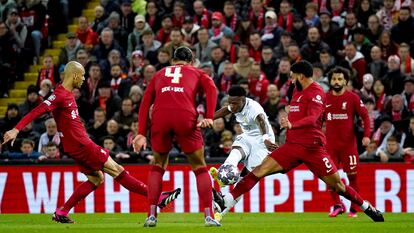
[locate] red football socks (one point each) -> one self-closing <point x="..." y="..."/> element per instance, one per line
<point x="352" y="195"/>
<point x="154" y="188"/>
<point x="335" y="197"/>
<point x="132" y="184"/>
<point x="204" y="191"/>
<point x="354" y="184"/>
<point x="80" y="193"/>
<point x="244" y="185"/>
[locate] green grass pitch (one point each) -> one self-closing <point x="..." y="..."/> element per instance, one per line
<point x="171" y="223"/>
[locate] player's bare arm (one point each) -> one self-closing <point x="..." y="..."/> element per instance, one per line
<point x="264" y="129"/>
<point x="10" y="135"/>
<point x="139" y="142"/>
<point x="224" y="111"/>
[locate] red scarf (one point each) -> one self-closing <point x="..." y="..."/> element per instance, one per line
<point x="258" y="21"/>
<point x="163" y="36"/>
<point x="379" y="105"/>
<point x="130" y="138"/>
<point x="225" y="83"/>
<point x="47" y="74"/>
<point x="151" y="21"/>
<point x="178" y="22"/>
<point x="256" y="54"/>
<point x="217" y="31"/>
<point x="233" y="54"/>
<point x="102" y="102"/>
<point x="288" y="25"/>
<point x="204" y="19"/>
<point x="408" y="65"/>
<point x="233" y="23"/>
<point x="92" y="89"/>
<point x="396" y="116"/>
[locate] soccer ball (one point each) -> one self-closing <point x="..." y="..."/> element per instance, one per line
<point x="228" y="174"/>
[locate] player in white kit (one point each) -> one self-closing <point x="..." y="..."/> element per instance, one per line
<point x="257" y="139"/>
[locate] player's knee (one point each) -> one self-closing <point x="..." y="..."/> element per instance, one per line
<point x="338" y="187"/>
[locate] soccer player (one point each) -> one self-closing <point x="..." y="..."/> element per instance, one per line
<point x="305" y="143"/>
<point x="92" y="159"/>
<point x="173" y="91"/>
<point x="257" y="139"/>
<point x="342" y="107"/>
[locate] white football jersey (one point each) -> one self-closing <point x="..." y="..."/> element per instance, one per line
<point x="247" y="119"/>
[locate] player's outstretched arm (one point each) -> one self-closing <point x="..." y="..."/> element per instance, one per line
<point x="261" y="122"/>
<point x="10" y="136"/>
<point x="139" y="142"/>
<point x="224" y="111"/>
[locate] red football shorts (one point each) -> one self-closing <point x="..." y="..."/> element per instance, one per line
<point x="167" y="125"/>
<point x="90" y="158"/>
<point x="348" y="157"/>
<point x="315" y="158"/>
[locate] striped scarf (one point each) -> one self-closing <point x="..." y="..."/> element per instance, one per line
<point x="204" y="20"/>
<point x="258" y="21"/>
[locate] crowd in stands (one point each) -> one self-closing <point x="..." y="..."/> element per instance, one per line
<point x="251" y="43"/>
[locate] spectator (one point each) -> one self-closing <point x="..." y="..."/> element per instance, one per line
<point x="149" y="46"/>
<point x="114" y="58"/>
<point x="338" y="12"/>
<point x="311" y="18"/>
<point x="388" y="14"/>
<point x="108" y="101"/>
<point x="68" y="52"/>
<point x="112" y="130"/>
<point x="258" y="83"/>
<point x="117" y="76"/>
<point x="244" y="62"/>
<point x="189" y="30"/>
<point x="213" y="136"/>
<point x="8" y="59"/>
<point x="255" y="50"/>
<point x="163" y="35"/>
<point x="244" y="30"/>
<point x="294" y="53"/>
<point x="231" y="19"/>
<point x="357" y="61"/>
<point x="268" y="64"/>
<point x="362" y="44"/>
<point x="327" y="61"/>
<point x="133" y="131"/>
<point x="100" y="17"/>
<point x="282" y="49"/>
<point x="407" y="63"/>
<point x="380" y="96"/>
<point x="399" y="113"/>
<point x="48" y="71"/>
<point x="134" y="38"/>
<point x="373" y="114"/>
<point x="127" y="16"/>
<point x="16" y="27"/>
<point x="327" y="28"/>
<point x="388" y="47"/>
<point x="176" y="40"/>
<point x="163" y="57"/>
<point x="285" y="19"/>
<point x="374" y="29"/>
<point x="84" y="107"/>
<point x="363" y="11"/>
<point x="283" y="80"/>
<point x="106" y="44"/>
<point x="299" y="29"/>
<point x="125" y="116"/>
<point x="52" y="152"/>
<point x="218" y="29"/>
<point x="148" y="73"/>
<point x="32" y="100"/>
<point x="109" y="143"/>
<point x="345" y="34"/>
<point x="46" y="89"/>
<point x="377" y="67"/>
<point x="85" y="34"/>
<point x="201" y="14"/>
<point x="217" y="59"/>
<point x="178" y="14"/>
<point x="319" y="77"/>
<point x="10" y="119"/>
<point x="153" y="16"/>
<point x="91" y="86"/>
<point x="227" y="78"/>
<point x="313" y="46"/>
<point x="385" y="130"/>
<point x="120" y="34"/>
<point x="371" y="153"/>
<point x="402" y="31"/>
<point x="229" y="48"/>
<point x="367" y="87"/>
<point x="393" y="151"/>
<point x="272" y="103"/>
<point x="271" y="33"/>
<point x="409" y="140"/>
<point x="394" y="79"/>
<point x="135" y="94"/>
<point x="408" y="94"/>
<point x="97" y="127"/>
<point x="204" y="45"/>
<point x="51" y="135"/>
<point x="26" y="151"/>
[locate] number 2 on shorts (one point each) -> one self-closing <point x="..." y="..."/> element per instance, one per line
<point x="176" y="75"/>
<point x="327" y="163"/>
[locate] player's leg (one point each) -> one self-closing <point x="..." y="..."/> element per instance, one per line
<point x="203" y="180"/>
<point x="94" y="180"/>
<point x="350" y="162"/>
<point x="236" y="155"/>
<point x="338" y="207"/>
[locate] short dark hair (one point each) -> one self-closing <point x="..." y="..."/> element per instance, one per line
<point x="302" y="67"/>
<point x="339" y="70"/>
<point x="51" y="144"/>
<point x="237" y="90"/>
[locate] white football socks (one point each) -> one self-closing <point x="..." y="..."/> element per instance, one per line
<point x="234" y="157"/>
<point x="364" y="205"/>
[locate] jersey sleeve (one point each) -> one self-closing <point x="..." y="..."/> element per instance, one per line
<point x="363" y="113"/>
<point x="255" y="110"/>
<point x="315" y="110"/>
<point x="53" y="102"/>
<point x="211" y="94"/>
<point x="147" y="100"/>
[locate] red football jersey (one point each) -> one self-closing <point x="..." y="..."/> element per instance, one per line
<point x="63" y="106"/>
<point x="306" y="116"/>
<point x="340" y="114"/>
<point x="175" y="88"/>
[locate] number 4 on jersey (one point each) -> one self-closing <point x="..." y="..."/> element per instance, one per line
<point x="176" y="75"/>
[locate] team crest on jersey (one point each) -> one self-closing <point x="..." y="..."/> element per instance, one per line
<point x="344" y="105"/>
<point x="329" y="116"/>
